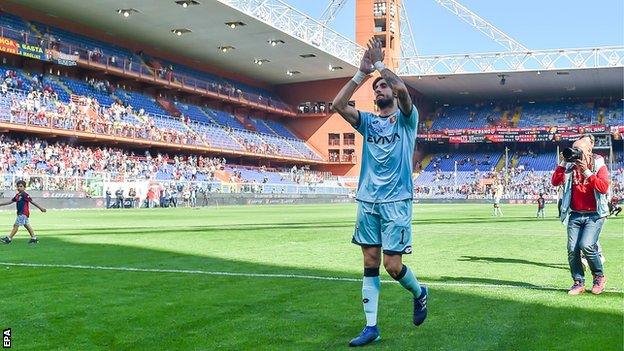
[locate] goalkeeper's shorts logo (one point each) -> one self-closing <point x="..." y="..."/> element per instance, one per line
<point x="408" y="250"/>
<point x="365" y="300"/>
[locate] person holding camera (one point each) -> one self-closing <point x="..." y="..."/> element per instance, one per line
<point x="584" y="208"/>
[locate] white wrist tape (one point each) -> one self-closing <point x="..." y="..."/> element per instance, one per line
<point x="379" y="66"/>
<point x="359" y="77"/>
<point x="587" y="173"/>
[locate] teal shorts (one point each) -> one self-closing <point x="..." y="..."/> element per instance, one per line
<point x="386" y="225"/>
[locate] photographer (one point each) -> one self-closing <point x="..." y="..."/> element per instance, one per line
<point x="585" y="181"/>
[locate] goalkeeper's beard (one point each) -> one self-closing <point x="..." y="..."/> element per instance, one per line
<point x="385" y="102"/>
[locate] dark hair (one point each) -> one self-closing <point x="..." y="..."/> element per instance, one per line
<point x="21" y="182"/>
<point x="376" y="81"/>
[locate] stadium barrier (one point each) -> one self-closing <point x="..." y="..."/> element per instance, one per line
<point x="77" y="192"/>
<point x="77" y="200"/>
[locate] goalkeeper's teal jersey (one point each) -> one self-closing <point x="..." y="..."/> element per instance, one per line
<point x="386" y="173"/>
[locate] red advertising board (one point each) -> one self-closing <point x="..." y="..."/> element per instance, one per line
<point x="9" y="45"/>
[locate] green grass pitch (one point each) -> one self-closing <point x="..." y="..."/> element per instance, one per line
<point x="158" y="280"/>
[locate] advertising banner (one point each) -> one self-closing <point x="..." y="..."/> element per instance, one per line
<point x="16" y="48"/>
<point x="32" y="51"/>
<point x="62" y="58"/>
<point x="524" y="135"/>
<point x="9" y="45"/>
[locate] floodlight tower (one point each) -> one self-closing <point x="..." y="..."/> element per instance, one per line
<point x="377" y="19"/>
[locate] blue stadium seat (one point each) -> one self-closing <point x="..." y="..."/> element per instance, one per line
<point x="466" y="162"/>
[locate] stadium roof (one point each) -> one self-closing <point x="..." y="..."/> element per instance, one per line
<point x="153" y="22"/>
<point x="521" y="85"/>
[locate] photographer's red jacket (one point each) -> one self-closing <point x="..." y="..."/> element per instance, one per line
<point x="583" y="186"/>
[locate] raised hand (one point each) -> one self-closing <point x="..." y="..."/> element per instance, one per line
<point x="366" y="65"/>
<point x="375" y="51"/>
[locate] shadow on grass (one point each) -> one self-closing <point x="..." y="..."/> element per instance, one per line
<point x="254" y="226"/>
<point x="512" y="261"/>
<point x="103" y="309"/>
<point x="493" y="282"/>
<point x="198" y="228"/>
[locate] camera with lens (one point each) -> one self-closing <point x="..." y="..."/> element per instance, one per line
<point x="572" y="154"/>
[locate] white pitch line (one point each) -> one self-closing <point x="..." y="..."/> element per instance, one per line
<point x="276" y="275"/>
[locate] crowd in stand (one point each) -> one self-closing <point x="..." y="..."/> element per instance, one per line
<point x="303" y="175"/>
<point x="37" y="157"/>
<point x="12" y="80"/>
<point x="317" y="107"/>
<point x="44" y="109"/>
<point x="260" y="147"/>
<point x="103" y="86"/>
<point x="59" y="166"/>
<point x="520" y="184"/>
<point x="435" y="163"/>
<point x="543" y="114"/>
<point x="41" y="106"/>
<point x="166" y="72"/>
<point x="63" y="166"/>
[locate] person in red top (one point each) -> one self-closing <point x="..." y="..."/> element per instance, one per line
<point x="614" y="207"/>
<point x="584" y="209"/>
<point x="541" y="203"/>
<point x="22" y="201"/>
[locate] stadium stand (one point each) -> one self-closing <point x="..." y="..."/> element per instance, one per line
<point x="467" y="116"/>
<point x="558" y="114"/>
<point x="61" y="166"/>
<point x="530" y="114"/>
<point x="195" y="113"/>
<point x="537" y="162"/>
<point x="225" y="119"/>
<point x="528" y="175"/>
<point x="102" y="52"/>
<point x="134" y="103"/>
<point x="19" y="29"/>
<point x="113" y="55"/>
<point x="101" y="106"/>
<point x="465" y="161"/>
<point x="88" y="48"/>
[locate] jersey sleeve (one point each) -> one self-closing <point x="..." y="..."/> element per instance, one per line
<point x="14" y="199"/>
<point x="27" y="198"/>
<point x="411" y="119"/>
<point x="362" y="128"/>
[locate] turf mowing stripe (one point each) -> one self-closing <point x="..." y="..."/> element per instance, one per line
<point x="274" y="275"/>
